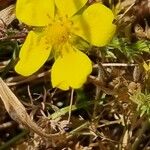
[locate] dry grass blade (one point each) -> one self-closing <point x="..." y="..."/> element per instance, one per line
<point x="7" y="15"/>
<point x="17" y="111"/>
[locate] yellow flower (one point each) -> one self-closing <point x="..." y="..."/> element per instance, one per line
<point x="60" y="22"/>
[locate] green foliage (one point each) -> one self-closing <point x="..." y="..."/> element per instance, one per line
<point x="142" y="46"/>
<point x="127" y="48"/>
<point x="8" y="48"/>
<point x="143" y="102"/>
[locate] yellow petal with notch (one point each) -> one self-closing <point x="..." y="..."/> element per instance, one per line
<point x="35" y="12"/>
<point x="69" y="7"/>
<point x="71" y="69"/>
<point x="33" y="54"/>
<point x="95" y="25"/>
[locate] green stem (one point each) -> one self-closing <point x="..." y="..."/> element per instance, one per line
<point x="13" y="140"/>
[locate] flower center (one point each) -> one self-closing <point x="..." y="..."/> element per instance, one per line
<point x="58" y="31"/>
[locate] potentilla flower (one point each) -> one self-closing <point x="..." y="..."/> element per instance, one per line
<point x="56" y="23"/>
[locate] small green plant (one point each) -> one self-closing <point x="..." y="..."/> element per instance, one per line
<point x="143" y="102"/>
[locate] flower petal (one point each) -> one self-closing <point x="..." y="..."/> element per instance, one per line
<point x="71" y="69"/>
<point x="35" y="12"/>
<point x="33" y="54"/>
<point x="95" y="25"/>
<point x="69" y="7"/>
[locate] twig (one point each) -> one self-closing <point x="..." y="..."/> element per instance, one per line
<point x="6" y="125"/>
<point x="20" y="80"/>
<point x="17" y="80"/>
<point x="13" y="37"/>
<point x="30" y="96"/>
<point x="101" y="72"/>
<point x="107" y="123"/>
<point x="70" y="107"/>
<point x="126" y="11"/>
<point x="96" y="82"/>
<point x="115" y="65"/>
<point x="18" y="112"/>
<point x="73" y="132"/>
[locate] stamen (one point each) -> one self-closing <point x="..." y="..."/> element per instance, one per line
<point x="58" y="32"/>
